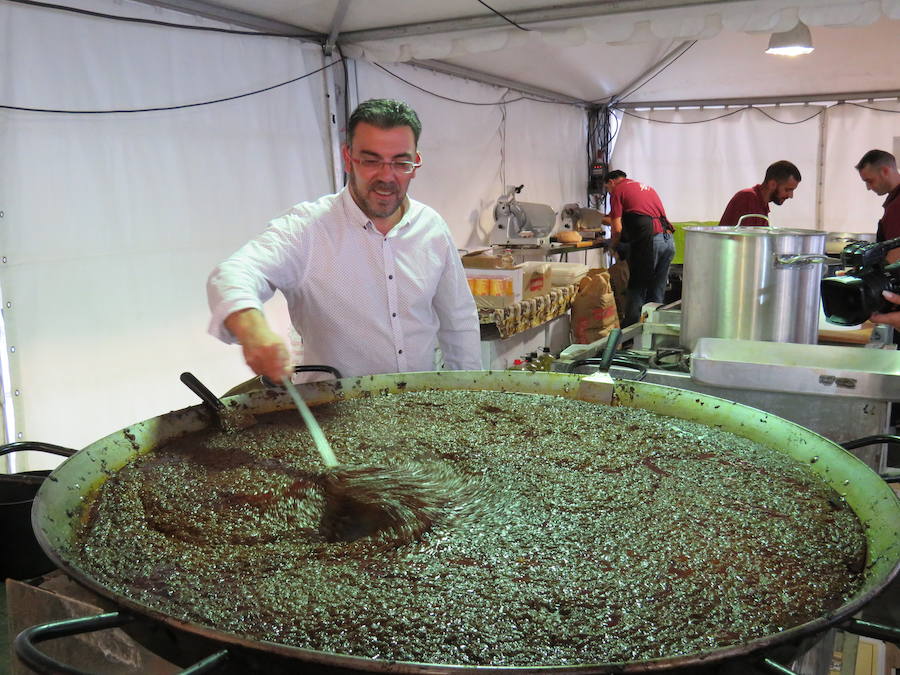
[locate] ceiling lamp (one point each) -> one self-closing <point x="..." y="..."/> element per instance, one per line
<point x="791" y="42"/>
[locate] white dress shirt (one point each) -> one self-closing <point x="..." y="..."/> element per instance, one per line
<point x="362" y="302"/>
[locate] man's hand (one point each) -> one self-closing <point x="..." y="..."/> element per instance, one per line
<point x="264" y="350"/>
<point x="890" y="318"/>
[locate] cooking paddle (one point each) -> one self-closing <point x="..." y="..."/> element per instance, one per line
<point x="396" y="505"/>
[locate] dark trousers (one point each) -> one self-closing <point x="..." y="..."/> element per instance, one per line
<point x="649" y="257"/>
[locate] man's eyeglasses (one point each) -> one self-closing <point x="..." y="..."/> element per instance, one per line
<point x="395" y="165"/>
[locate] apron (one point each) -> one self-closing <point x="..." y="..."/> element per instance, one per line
<point x="637" y="232"/>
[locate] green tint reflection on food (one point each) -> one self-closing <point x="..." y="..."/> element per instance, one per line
<point x="577" y="534"/>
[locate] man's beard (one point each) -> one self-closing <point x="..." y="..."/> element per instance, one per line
<point x="376" y="205"/>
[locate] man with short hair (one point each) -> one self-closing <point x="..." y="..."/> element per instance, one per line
<point x="878" y="170"/>
<point x="373" y="280"/>
<point x="637" y="218"/>
<point x="779" y="183"/>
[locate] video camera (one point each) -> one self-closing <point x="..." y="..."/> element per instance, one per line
<point x="850" y="299"/>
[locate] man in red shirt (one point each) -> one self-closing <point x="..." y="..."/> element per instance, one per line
<point x="638" y="219"/>
<point x="779" y="183"/>
<point x="878" y="170"/>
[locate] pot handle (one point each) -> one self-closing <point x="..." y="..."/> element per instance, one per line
<point x="751" y="215"/>
<point x="40" y="662"/>
<point x="36" y="446"/>
<point x="797" y="259"/>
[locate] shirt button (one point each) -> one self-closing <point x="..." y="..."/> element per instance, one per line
<point x="394" y="314"/>
<point x="390" y="276"/>
<point x="399" y="351"/>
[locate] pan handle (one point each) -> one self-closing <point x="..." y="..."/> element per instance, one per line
<point x="40" y="662"/>
<point x="210" y="399"/>
<point x="303" y="369"/>
<point x="36" y="446"/>
<point x="775" y="667"/>
<point x="872" y="630"/>
<point x="873" y="440"/>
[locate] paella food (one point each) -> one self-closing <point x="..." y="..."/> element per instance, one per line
<point x="590" y="535"/>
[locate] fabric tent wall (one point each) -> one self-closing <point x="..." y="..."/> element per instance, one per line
<point x="471" y="147"/>
<point x="697" y="159"/>
<point x="111" y="223"/>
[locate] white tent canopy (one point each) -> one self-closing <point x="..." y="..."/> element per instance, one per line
<point x="112" y="220"/>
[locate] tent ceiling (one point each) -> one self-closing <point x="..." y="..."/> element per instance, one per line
<point x="595" y="51"/>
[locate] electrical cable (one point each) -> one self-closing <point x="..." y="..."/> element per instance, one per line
<point x="869" y="107"/>
<point x="172" y="107"/>
<point x="711" y="119"/>
<point x="315" y="37"/>
<point x="658" y="72"/>
<point x="503" y="16"/>
<point x="456" y="100"/>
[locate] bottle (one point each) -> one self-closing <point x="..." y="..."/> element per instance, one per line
<point x="507" y="262"/>
<point x="517" y="365"/>
<point x="530" y="365"/>
<point x="546" y="360"/>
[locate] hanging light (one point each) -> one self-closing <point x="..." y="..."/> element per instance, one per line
<point x="792" y="42"/>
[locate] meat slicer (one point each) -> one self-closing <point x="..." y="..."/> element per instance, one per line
<point x="521" y="224"/>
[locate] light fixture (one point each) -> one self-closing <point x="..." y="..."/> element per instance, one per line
<point x="792" y="42"/>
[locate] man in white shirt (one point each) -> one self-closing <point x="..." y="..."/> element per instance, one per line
<point x="372" y="278"/>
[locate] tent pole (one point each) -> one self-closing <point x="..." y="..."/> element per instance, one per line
<point x="820" y="172"/>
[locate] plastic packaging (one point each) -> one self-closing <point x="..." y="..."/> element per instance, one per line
<point x="507" y="262"/>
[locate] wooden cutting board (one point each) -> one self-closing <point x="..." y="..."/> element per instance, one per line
<point x="859" y="336"/>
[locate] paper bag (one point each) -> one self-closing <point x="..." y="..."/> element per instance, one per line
<point x="594" y="312"/>
<point x="618" y="276"/>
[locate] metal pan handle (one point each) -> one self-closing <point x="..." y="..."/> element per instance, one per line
<point x="36" y="446"/>
<point x="303" y="369"/>
<point x="44" y="664"/>
<point x="210" y="399"/>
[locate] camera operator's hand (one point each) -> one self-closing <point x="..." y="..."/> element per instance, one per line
<point x="890" y="318"/>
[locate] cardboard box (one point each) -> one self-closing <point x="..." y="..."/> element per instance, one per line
<point x="495" y="289"/>
<point x="536" y="279"/>
<point x="481" y="260"/>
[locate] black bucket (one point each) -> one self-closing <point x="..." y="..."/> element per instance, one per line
<point x="23" y="558"/>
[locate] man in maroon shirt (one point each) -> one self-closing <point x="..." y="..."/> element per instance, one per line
<point x="878" y="170"/>
<point x="638" y="219"/>
<point x="779" y="183"/>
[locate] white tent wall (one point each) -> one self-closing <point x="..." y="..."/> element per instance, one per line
<point x="851" y="131"/>
<point x="697" y="159"/>
<point x="469" y="149"/>
<point x="111" y="223"/>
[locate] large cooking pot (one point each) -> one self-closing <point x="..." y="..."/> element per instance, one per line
<point x="62" y="502"/>
<point x="751" y="283"/>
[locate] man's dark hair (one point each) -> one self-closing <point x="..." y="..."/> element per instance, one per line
<point x="612" y="175"/>
<point x="877" y="158"/>
<point x="384" y="113"/>
<point x="780" y="171"/>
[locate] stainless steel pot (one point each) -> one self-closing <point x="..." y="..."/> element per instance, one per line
<point x="63" y="502"/>
<point x="751" y="283"/>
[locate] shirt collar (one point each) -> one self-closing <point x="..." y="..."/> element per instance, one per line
<point x="360" y="219"/>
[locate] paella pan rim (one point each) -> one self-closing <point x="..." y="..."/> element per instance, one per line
<point x="143" y="436"/>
